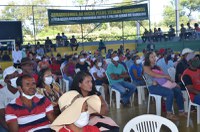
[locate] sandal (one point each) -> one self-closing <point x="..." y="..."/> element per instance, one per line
<point x="171" y="117"/>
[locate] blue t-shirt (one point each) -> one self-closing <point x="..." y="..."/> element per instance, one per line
<point x="138" y="69"/>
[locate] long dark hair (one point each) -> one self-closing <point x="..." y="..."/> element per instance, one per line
<point x="41" y="76"/>
<point x="147" y="60"/>
<point x="79" y="77"/>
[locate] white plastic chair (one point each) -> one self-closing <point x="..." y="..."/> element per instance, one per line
<point x="100" y="88"/>
<point x="149" y="123"/>
<point x="65" y="86"/>
<point x="140" y="90"/>
<point x="157" y="98"/>
<point x="191" y="104"/>
<point x="117" y="95"/>
<point x="172" y="73"/>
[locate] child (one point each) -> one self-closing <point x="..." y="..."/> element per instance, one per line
<point x="163" y="81"/>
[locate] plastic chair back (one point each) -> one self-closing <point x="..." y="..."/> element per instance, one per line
<point x="172" y="72"/>
<point x="149" y="123"/>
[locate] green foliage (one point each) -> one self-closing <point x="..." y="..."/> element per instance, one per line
<point x="190" y="5"/>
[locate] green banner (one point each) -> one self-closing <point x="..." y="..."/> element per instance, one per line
<point x="125" y="13"/>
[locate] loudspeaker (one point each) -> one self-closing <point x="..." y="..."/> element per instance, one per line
<point x="11" y="30"/>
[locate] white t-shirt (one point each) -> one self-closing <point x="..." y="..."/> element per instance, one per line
<point x="17" y="56"/>
<point x="6" y="96"/>
<point x="98" y="71"/>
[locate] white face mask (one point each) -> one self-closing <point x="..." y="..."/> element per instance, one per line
<point x="27" y="96"/>
<point x="138" y="61"/>
<point x="83" y="120"/>
<point x="13" y="82"/>
<point x="99" y="64"/>
<point x="48" y="80"/>
<point x="82" y="60"/>
<point x="76" y="56"/>
<point x="116" y="58"/>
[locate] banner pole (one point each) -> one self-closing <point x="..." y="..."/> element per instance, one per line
<point x="123" y="32"/>
<point x="82" y="34"/>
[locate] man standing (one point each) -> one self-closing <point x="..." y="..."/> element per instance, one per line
<point x="7" y="93"/>
<point x="191" y="78"/>
<point x="116" y="74"/>
<point x="17" y="56"/>
<point x="65" y="42"/>
<point x="30" y="111"/>
<point x="102" y="45"/>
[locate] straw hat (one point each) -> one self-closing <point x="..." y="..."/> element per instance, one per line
<point x="71" y="104"/>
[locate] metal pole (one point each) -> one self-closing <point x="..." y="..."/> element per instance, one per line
<point x="123" y="32"/>
<point x="34" y="34"/>
<point x="149" y="16"/>
<point x="177" y="16"/>
<point x="82" y="34"/>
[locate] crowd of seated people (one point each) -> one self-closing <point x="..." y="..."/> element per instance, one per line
<point x="185" y="33"/>
<point x="35" y="87"/>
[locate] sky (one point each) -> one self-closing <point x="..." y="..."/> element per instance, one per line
<point x="156" y="6"/>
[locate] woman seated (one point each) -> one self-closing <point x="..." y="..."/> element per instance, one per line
<point x="136" y="71"/>
<point x="99" y="76"/>
<point x="84" y="84"/>
<point x="170" y="94"/>
<point x="49" y="88"/>
<point x="75" y="113"/>
<point x="69" y="70"/>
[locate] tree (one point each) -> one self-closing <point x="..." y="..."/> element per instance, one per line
<point x="25" y="14"/>
<point x="169" y="15"/>
<point x="191" y="6"/>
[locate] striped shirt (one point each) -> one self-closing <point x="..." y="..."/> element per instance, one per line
<point x="29" y="119"/>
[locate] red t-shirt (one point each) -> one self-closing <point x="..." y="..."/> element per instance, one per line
<point x="85" y="129"/>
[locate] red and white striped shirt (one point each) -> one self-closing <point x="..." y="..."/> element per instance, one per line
<point x="29" y="119"/>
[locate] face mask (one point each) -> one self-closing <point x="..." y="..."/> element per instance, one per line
<point x="116" y="58"/>
<point x="48" y="80"/>
<point x="76" y="56"/>
<point x="138" y="61"/>
<point x="13" y="82"/>
<point x="82" y="60"/>
<point x="82" y="120"/>
<point x="99" y="64"/>
<point x="27" y="96"/>
<point x="195" y="63"/>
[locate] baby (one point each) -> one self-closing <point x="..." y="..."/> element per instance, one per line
<point x="163" y="81"/>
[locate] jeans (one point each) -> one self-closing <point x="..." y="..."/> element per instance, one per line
<point x="169" y="94"/>
<point x="197" y="99"/>
<point x="126" y="90"/>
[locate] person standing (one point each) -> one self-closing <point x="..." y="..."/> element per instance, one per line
<point x="16" y="56"/>
<point x="102" y="46"/>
